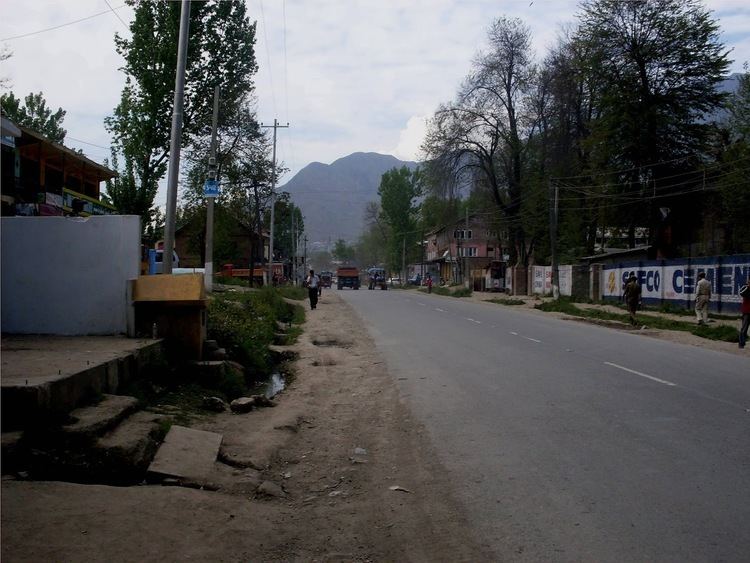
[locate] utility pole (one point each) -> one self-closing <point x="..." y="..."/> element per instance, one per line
<point x="305" y="254"/>
<point x="466" y="250"/>
<point x="174" y="143"/>
<point x="554" y="193"/>
<point x="211" y="197"/>
<point x="273" y="196"/>
<point x="403" y="260"/>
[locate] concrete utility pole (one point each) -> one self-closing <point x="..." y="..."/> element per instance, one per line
<point x="273" y="196"/>
<point x="466" y="250"/>
<point x="174" y="143"/>
<point x="213" y="176"/>
<point x="403" y="260"/>
<point x="553" y="238"/>
<point x="305" y="255"/>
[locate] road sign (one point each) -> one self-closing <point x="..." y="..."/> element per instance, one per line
<point x="211" y="188"/>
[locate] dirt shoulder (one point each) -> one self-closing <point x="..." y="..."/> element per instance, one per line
<point x="330" y="455"/>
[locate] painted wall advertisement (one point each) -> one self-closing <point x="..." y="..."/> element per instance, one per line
<point x="542" y="280"/>
<point x="674" y="280"/>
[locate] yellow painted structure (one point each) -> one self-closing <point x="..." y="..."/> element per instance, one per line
<point x="174" y="306"/>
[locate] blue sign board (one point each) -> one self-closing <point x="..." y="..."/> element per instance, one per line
<point x="211" y="188"/>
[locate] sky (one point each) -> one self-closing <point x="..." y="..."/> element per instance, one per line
<point x="347" y="75"/>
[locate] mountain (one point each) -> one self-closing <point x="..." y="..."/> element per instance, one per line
<point x="333" y="196"/>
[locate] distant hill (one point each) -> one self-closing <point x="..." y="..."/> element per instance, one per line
<point x="333" y="196"/>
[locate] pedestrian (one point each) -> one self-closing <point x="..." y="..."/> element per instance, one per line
<point x="312" y="282"/>
<point x="702" y="297"/>
<point x="632" y="297"/>
<point x="429" y="283"/>
<point x="745" y="310"/>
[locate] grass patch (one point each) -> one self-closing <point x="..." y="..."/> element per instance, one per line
<point x="507" y="301"/>
<point x="229" y="280"/>
<point x="293" y="292"/>
<point x="722" y="333"/>
<point x="459" y="291"/>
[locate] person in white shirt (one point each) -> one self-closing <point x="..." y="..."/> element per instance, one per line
<point x="702" y="297"/>
<point x="312" y="282"/>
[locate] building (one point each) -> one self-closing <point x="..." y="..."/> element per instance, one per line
<point x="464" y="250"/>
<point x="41" y="177"/>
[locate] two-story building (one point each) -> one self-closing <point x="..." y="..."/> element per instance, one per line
<point x="41" y="177"/>
<point x="467" y="250"/>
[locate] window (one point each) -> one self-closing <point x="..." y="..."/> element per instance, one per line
<point x="467" y="251"/>
<point x="462" y="234"/>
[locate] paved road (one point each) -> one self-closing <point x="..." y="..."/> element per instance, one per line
<point x="572" y="442"/>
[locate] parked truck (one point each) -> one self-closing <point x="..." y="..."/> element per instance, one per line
<point x="347" y="277"/>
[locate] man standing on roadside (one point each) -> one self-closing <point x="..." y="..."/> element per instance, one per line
<point x="745" y="310"/>
<point x="632" y="296"/>
<point x="312" y="282"/>
<point x="702" y="297"/>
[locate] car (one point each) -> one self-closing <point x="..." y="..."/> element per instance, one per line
<point x="415" y="280"/>
<point x="394" y="281"/>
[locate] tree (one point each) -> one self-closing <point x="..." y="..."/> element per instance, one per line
<point x="657" y="64"/>
<point x="399" y="190"/>
<point x="35" y="115"/>
<point x="343" y="252"/>
<point x="220" y="52"/>
<point x="486" y="132"/>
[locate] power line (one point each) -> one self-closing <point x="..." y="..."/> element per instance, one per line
<point x="87" y="143"/>
<point x="115" y="13"/>
<point x="61" y="25"/>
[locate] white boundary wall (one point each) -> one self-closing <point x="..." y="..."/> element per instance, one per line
<point x="68" y="275"/>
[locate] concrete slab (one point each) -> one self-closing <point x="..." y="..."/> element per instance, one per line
<point x="45" y="376"/>
<point x="186" y="454"/>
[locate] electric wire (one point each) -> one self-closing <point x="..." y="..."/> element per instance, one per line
<point x="29" y="34"/>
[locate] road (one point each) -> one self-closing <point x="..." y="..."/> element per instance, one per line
<point x="573" y="442"/>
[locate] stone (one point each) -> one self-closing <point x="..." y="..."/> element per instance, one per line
<point x="215" y="404"/>
<point x="237" y="460"/>
<point x="231" y="364"/>
<point x="263" y="401"/>
<point x="218" y="355"/>
<point x="123" y="455"/>
<point x="242" y="405"/>
<point x="270" y="489"/>
<point x="210" y="345"/>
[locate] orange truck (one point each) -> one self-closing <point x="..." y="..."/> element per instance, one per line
<point x="347" y="277"/>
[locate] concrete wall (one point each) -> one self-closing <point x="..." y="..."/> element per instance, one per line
<point x="673" y="281"/>
<point x="68" y="275"/>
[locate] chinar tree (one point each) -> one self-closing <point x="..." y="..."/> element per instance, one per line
<point x="657" y="64"/>
<point x="221" y="53"/>
<point x="399" y="190"/>
<point x="483" y="136"/>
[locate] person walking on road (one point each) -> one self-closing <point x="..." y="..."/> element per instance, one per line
<point x="745" y="310"/>
<point x="312" y="282"/>
<point x="632" y="297"/>
<point x="702" y="297"/>
<point x="429" y="283"/>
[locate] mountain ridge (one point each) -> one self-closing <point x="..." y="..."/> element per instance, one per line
<point x="333" y="196"/>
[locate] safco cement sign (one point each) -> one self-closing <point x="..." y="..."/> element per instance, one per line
<point x="674" y="280"/>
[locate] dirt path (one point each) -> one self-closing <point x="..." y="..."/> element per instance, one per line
<point x="331" y="452"/>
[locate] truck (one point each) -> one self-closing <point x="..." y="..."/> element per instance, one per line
<point x="347" y="277"/>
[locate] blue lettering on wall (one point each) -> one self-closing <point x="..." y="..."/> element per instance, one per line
<point x="678" y="281"/>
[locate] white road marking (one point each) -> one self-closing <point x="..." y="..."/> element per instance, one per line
<point x="514" y="333"/>
<point x="533" y="339"/>
<point x="651" y="377"/>
<point x="439" y="309"/>
<point x="472" y="320"/>
<point x="422" y="305"/>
